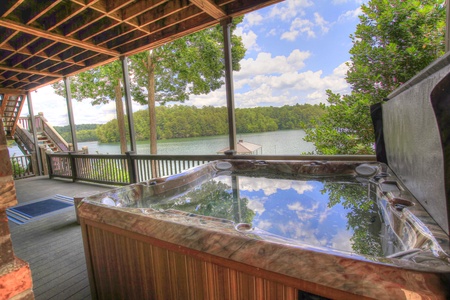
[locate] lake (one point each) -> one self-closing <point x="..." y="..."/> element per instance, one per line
<point x="286" y="142"/>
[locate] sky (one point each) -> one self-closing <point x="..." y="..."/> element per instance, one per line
<point x="296" y="50"/>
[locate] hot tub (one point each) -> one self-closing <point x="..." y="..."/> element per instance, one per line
<point x="248" y="229"/>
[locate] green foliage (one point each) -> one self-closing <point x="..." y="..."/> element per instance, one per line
<point x="362" y="213"/>
<point x="109" y="170"/>
<point x="169" y="73"/>
<point x="191" y="65"/>
<point x="393" y="42"/>
<point x="181" y="121"/>
<point x="17" y="168"/>
<point x="10" y="143"/>
<point x="97" y="85"/>
<point x="213" y="199"/>
<point x="341" y="129"/>
<point x="85" y="132"/>
<point x="108" y="132"/>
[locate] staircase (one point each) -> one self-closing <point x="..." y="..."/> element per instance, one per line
<point x="47" y="137"/>
<point x="10" y="109"/>
<point x="47" y="143"/>
<point x="18" y="128"/>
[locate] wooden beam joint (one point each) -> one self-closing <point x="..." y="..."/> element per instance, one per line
<point x="210" y="8"/>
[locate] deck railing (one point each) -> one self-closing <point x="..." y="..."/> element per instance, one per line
<point x="131" y="168"/>
<point x="23" y="166"/>
<point x="24" y="139"/>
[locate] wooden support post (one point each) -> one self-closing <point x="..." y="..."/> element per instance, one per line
<point x="48" y="170"/>
<point x="38" y="170"/>
<point x="131" y="167"/>
<point x="126" y="88"/>
<point x="226" y="28"/>
<point x="34" y="165"/>
<point x="73" y="167"/>
<point x="70" y="113"/>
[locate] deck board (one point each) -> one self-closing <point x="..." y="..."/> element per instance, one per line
<point x="55" y="255"/>
<point x="52" y="244"/>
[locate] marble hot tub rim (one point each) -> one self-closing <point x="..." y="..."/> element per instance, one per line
<point x="352" y="273"/>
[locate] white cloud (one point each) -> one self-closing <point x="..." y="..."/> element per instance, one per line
<point x="257" y="205"/>
<point x="350" y="15"/>
<point x="264" y="224"/>
<point x="301" y="232"/>
<point x="216" y="98"/>
<point x="301" y="26"/>
<point x="337" y="2"/>
<point x="272" y="32"/>
<point x="248" y="38"/>
<point x="341" y="240"/>
<point x="54" y="108"/>
<point x="277" y="81"/>
<point x="304" y="213"/>
<point x="320" y="22"/>
<point x="253" y="18"/>
<point x="291" y="87"/>
<point x="316" y="95"/>
<point x="270" y="186"/>
<point x="266" y="64"/>
<point x="289" y="9"/>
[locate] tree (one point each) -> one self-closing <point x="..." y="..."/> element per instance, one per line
<point x="170" y="73"/>
<point x="101" y="85"/>
<point x="191" y="65"/>
<point x="394" y="41"/>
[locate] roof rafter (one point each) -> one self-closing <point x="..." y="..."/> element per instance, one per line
<point x="56" y="37"/>
<point x="43" y="41"/>
<point x="12" y="8"/>
<point x="30" y="71"/>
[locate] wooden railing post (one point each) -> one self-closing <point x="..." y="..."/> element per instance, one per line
<point x="48" y="162"/>
<point x="73" y="166"/>
<point x="131" y="167"/>
<point x="34" y="163"/>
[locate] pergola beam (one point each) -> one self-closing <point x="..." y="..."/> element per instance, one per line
<point x="210" y="8"/>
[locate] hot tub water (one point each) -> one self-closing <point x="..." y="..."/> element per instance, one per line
<point x="323" y="212"/>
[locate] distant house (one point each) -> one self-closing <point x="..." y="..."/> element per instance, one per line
<point x="244" y="148"/>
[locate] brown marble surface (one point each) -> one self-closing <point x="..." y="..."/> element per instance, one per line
<point x="422" y="277"/>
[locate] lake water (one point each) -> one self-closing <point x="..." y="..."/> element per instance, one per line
<point x="286" y="142"/>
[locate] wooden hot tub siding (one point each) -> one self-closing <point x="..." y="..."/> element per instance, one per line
<point x="127" y="265"/>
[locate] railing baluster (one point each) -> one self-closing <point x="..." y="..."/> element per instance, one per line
<point x="120" y="169"/>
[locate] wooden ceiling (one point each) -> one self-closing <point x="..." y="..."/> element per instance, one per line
<point x="41" y="41"/>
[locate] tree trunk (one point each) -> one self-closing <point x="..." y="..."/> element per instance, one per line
<point x="151" y="103"/>
<point x="152" y="112"/>
<point x="120" y="118"/>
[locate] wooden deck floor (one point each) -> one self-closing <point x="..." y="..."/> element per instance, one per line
<point x="52" y="245"/>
